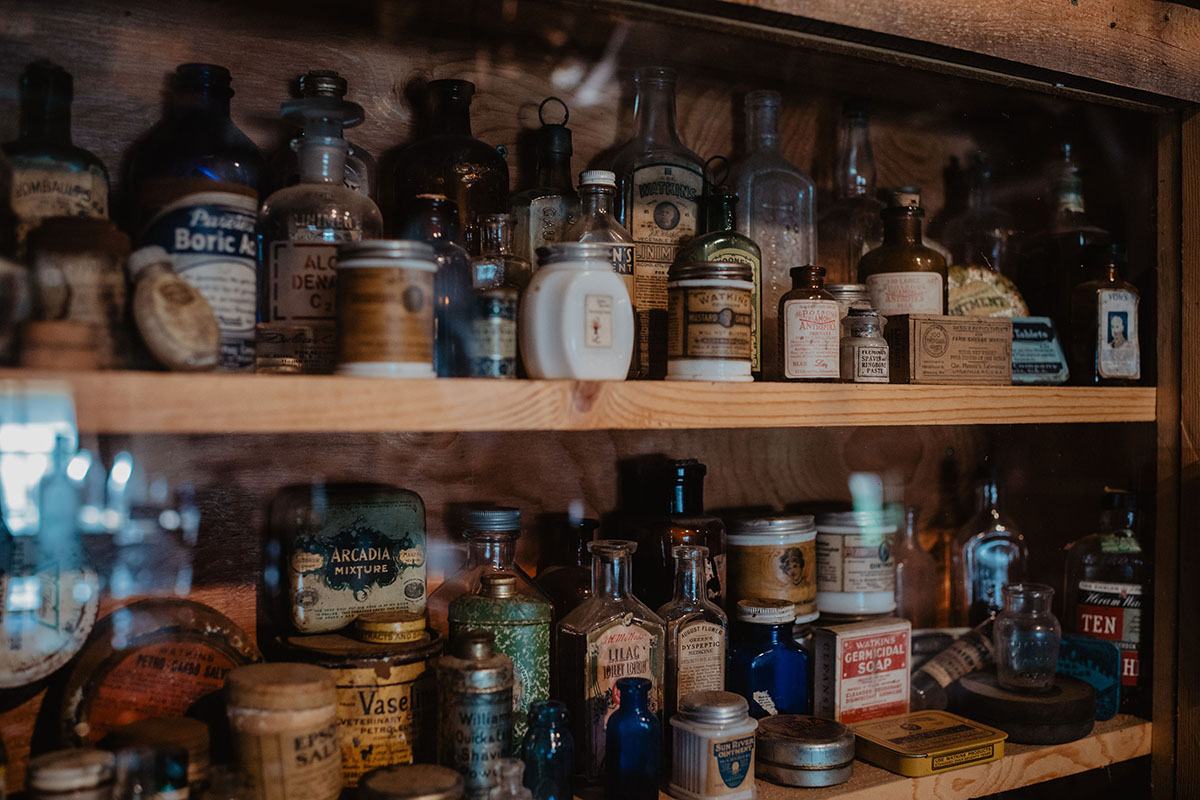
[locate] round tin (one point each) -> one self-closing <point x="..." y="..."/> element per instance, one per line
<point x="800" y="750"/>
<point x="411" y="782"/>
<point x="775" y="557"/>
<point x="710" y="313"/>
<point x="76" y="774"/>
<point x="713" y="747"/>
<point x="391" y="627"/>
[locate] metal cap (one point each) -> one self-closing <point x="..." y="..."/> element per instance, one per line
<point x="598" y="177"/>
<point x="780" y="525"/>
<point x="560" y="252"/>
<point x="711" y="270"/>
<point x="497" y="518"/>
<point x="765" y="611"/>
<point x="411" y="782"/>
<point x="389" y="249"/>
<point x="71" y="770"/>
<point x="474" y="645"/>
<point x="498" y="585"/>
<point x="389" y="627"/>
<point x="323" y="83"/>
<point x="836" y="289"/>
<point x="800" y="740"/>
<point x="717" y="708"/>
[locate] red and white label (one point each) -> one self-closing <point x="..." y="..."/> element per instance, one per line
<point x="810" y="339"/>
<point x="894" y="293"/>
<point x="862" y="673"/>
<point x="1113" y="612"/>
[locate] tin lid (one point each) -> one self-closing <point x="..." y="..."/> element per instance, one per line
<point x="498" y="518"/>
<point x="847" y="289"/>
<point x="710" y="270"/>
<point x="71" y="770"/>
<point x="800" y="740"/>
<point x="411" y="782"/>
<point x="498" y="585"/>
<point x="390" y="627"/>
<point x="560" y="252"/>
<point x="765" y="611"/>
<point x="337" y="650"/>
<point x="282" y="687"/>
<point x="779" y="525"/>
<point x="597" y="177"/>
<point x="716" y="708"/>
<point x="869" y="521"/>
<point x="185" y="732"/>
<point x="389" y="249"/>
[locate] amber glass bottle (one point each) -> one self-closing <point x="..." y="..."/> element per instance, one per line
<point x="903" y="275"/>
<point x="1104" y="323"/>
<point x="809" y="335"/>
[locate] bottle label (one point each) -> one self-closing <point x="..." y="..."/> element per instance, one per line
<point x="711" y="323"/>
<point x="894" y="293"/>
<point x="855" y="563"/>
<point x="739" y="256"/>
<point x="624" y="649"/>
<point x="810" y="339"/>
<point x="1037" y="354"/>
<point x="967" y="653"/>
<point x="700" y="659"/>
<point x="730" y="761"/>
<point x="1113" y="611"/>
<point x="492" y="347"/>
<point x="301" y="764"/>
<point x="867" y="363"/>
<point x="598" y="321"/>
<point x="387" y="315"/>
<point x="41" y="191"/>
<point x="1118" y="334"/>
<point x="621" y="256"/>
<point x="302" y="281"/>
<point x="43" y="631"/>
<point x="385" y="716"/>
<point x="211" y="239"/>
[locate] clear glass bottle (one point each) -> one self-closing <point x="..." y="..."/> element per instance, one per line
<point x="983" y="234"/>
<point x="1026" y="636"/>
<point x="567" y="578"/>
<point x="809" y="332"/>
<point x="361" y="173"/>
<point x="301" y="226"/>
<point x="508" y="782"/>
<point x="633" y="741"/>
<point x="549" y="752"/>
<point x="987" y="554"/>
<point x="611" y="634"/>
<point x="434" y="219"/>
<point x="864" y="352"/>
<point x="661" y="182"/>
<point x="1107" y="594"/>
<point x="722" y="242"/>
<point x="775" y="211"/>
<point x="449" y="161"/>
<point x="498" y="262"/>
<point x="543" y="212"/>
<point x="916" y="576"/>
<point x="1104" y="346"/>
<point x="903" y="275"/>
<point x="766" y="665"/>
<point x="851" y="225"/>
<point x="51" y="177"/>
<point x="697" y="632"/>
<point x="499" y="277"/>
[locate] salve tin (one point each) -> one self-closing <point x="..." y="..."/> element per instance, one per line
<point x="801" y="750"/>
<point x="927" y="742"/>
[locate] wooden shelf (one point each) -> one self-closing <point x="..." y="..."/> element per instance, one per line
<point x="148" y="402"/>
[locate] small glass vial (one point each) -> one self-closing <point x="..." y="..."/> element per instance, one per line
<point x="865" y="353"/>
<point x="713" y="750"/>
<point x="809" y="331"/>
<point x="498" y="278"/>
<point x="710" y="314"/>
<point x="77" y="774"/>
<point x="508" y="783"/>
<point x="1027" y="636"/>
<point x="549" y="751"/>
<point x="766" y="665"/>
<point x="696" y="631"/>
<point x="633" y="739"/>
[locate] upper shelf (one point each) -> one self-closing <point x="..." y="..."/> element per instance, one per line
<point x="149" y="402"/>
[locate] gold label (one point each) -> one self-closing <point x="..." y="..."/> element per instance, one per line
<point x="386" y="315"/>
<point x="385" y="716"/>
<point x="42" y="192"/>
<point x="705" y="322"/>
<point x="784" y="572"/>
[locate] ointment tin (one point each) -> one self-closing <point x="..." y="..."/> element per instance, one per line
<point x="800" y="750"/>
<point x="927" y="742"/>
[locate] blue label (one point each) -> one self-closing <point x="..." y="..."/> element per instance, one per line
<point x="733" y="759"/>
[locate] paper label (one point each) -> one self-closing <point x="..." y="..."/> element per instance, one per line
<point x="712" y="323"/>
<point x="474" y="732"/>
<point x="492" y="346"/>
<point x="700" y="656"/>
<point x="895" y="293"/>
<point x="387" y="315"/>
<point x="811" y="339"/>
<point x="302" y="764"/>
<point x="303" y="281"/>
<point x="867" y="363"/>
<point x="1113" y="612"/>
<point x="1037" y="355"/>
<point x="1118" y="334"/>
<point x="543" y="224"/>
<point x="385" y="716"/>
<point x="43" y="191"/>
<point x="729" y="762"/>
<point x="785" y="572"/>
<point x="598" y="321"/>
<point x="42" y="633"/>
<point x="739" y="256"/>
<point x="855" y="563"/>
<point x="622" y="650"/>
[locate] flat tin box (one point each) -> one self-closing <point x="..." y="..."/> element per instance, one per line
<point x="927" y="743"/>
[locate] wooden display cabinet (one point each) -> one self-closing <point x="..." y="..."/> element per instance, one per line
<point x="942" y="79"/>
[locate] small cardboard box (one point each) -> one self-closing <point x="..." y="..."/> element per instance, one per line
<point x="927" y="742"/>
<point x="950" y="350"/>
<point x="861" y="670"/>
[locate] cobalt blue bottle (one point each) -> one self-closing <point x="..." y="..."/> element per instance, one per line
<point x="632" y="744"/>
<point x="548" y="751"/>
<point x="766" y="666"/>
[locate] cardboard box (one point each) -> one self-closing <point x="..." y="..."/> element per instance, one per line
<point x="950" y="350"/>
<point x="861" y="670"/>
<point x="927" y="742"/>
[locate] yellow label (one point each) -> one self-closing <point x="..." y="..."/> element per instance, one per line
<point x="706" y="322"/>
<point x="385" y="716"/>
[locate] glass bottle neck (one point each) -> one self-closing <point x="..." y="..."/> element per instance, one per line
<point x="720" y="213"/>
<point x="654" y="111"/>
<point x="451" y="115"/>
<point x="762" y="128"/>
<point x="596" y="201"/>
<point x="690" y="580"/>
<point x="498" y="551"/>
<point x="901" y="229"/>
<point x="322" y="160"/>
<point x="215" y="102"/>
<point x="989" y="497"/>
<point x="611" y="576"/>
<point x="554" y="171"/>
<point x="46" y="120"/>
<point x="687" y="498"/>
<point x="856" y="163"/>
<point x="767" y="634"/>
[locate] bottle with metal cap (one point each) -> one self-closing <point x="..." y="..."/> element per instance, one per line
<point x="799" y="750"/>
<point x="766" y="665"/>
<point x="696" y="632"/>
<point x="544" y="211"/>
<point x="713" y="747"/>
<point x="598" y="223"/>
<point x="77" y="774"/>
<point x="475" y="688"/>
<point x="710" y="321"/>
<point x="549" y="751"/>
<point x="411" y="782"/>
<point x="521" y="626"/>
<point x="633" y="740"/>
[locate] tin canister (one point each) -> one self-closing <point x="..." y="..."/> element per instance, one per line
<point x="774" y="557"/>
<point x="521" y="626"/>
<point x="475" y="687"/>
<point x="800" y="750"/>
<point x="386" y="692"/>
<point x="710" y="318"/>
<point x="411" y="782"/>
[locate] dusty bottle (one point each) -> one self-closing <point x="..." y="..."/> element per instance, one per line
<point x="850" y="226"/>
<point x="916" y="576"/>
<point x="1104" y="323"/>
<point x="697" y="632"/>
<point x="475" y="686"/>
<point x="543" y="212"/>
<point x="499" y="276"/>
<point x="809" y="335"/>
<point x="970" y="652"/>
<point x="903" y="275"/>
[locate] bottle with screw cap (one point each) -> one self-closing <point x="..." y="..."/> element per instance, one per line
<point x="766" y="665"/>
<point x="598" y="223"/>
<point x="543" y="212"/>
<point x="475" y="688"/>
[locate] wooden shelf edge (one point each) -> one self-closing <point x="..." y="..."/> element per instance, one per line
<point x="148" y="402"/>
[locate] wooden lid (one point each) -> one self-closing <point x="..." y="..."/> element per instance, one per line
<point x="282" y="687"/>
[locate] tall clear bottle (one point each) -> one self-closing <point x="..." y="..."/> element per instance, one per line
<point x="851" y="226"/>
<point x="661" y="182"/>
<point x="300" y="227"/>
<point x="987" y="553"/>
<point x="982" y="235"/>
<point x="610" y="635"/>
<point x="775" y="210"/>
<point x="697" y="632"/>
<point x="544" y="211"/>
<point x="904" y="275"/>
<point x="916" y="576"/>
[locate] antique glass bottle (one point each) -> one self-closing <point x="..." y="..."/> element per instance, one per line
<point x="1104" y="346"/>
<point x="982" y="235"/>
<point x="51" y="177"/>
<point x="300" y="228"/>
<point x="449" y="161"/>
<point x="851" y="225"/>
<point x="361" y="173"/>
<point x="986" y="554"/>
<point x="916" y="576"/>
<point x="610" y="635"/>
<point x="1026" y="636"/>
<point x="775" y="211"/>
<point x="543" y="212"/>
<point x="435" y="220"/>
<point x="1107" y="593"/>
<point x="902" y="274"/>
<point x="938" y="531"/>
<point x="697" y="632"/>
<point x="508" y="783"/>
<point x="498" y="262"/>
<point x="809" y="334"/>
<point x="549" y="751"/>
<point x="633" y="741"/>
<point x="661" y="181"/>
<point x="567" y="578"/>
<point x="766" y="665"/>
<point x="498" y="277"/>
<point x="680" y="488"/>
<point x="597" y="223"/>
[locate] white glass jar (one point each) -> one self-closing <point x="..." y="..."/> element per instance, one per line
<point x="710" y="308"/>
<point x="856" y="573"/>
<point x="713" y="747"/>
<point x="576" y="317"/>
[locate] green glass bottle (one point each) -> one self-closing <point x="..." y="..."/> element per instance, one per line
<point x="722" y="242"/>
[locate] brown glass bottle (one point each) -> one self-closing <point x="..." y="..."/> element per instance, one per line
<point x="683" y="522"/>
<point x="809" y="329"/>
<point x="903" y="275"/>
<point x="567" y="577"/>
<point x="1104" y="323"/>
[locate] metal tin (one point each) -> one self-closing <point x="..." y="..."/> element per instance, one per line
<point x="475" y="689"/>
<point x="776" y="557"/>
<point x="765" y="611"/>
<point x="927" y="742"/>
<point x="713" y="747"/>
<point x="710" y="314"/>
<point x="77" y="774"/>
<point x="391" y="627"/>
<point x="411" y="782"/>
<point x="801" y="750"/>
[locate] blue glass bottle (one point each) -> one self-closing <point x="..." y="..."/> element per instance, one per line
<point x="548" y="751"/>
<point x="766" y="665"/>
<point x="632" y="743"/>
